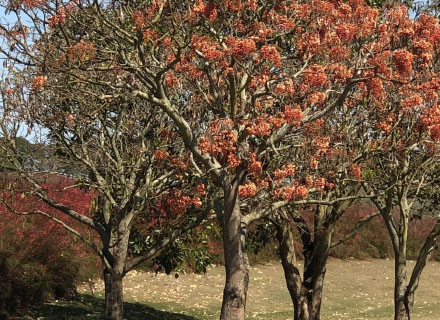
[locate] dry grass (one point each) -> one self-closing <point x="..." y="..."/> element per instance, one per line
<point x="353" y="290"/>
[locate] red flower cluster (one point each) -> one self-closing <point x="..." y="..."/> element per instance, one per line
<point x="399" y="22"/>
<point x="178" y="203"/>
<point x="247" y="190"/>
<point x="141" y="18"/>
<point x="240" y="48"/>
<point x="346" y="31"/>
<point x="356" y="171"/>
<point x="299" y="192"/>
<point x="150" y="35"/>
<point x="402" y="60"/>
<point x="313" y="163"/>
<point x="259" y="128"/>
<point x="208" y="10"/>
<point x="61" y="16"/>
<point x="252" y="5"/>
<point x="322" y="144"/>
<point x="34" y="3"/>
<point x="39" y="82"/>
<point x="310" y="43"/>
<point x="79" y="52"/>
<point x="430" y="121"/>
<point x="254" y="165"/>
<point x="367" y="17"/>
<point x="287" y="170"/>
<point x="423" y="49"/>
<point x="315" y="75"/>
<point x="293" y="116"/>
<point x="410" y="102"/>
<point x="220" y="142"/>
<point x="281" y="22"/>
<point x="376" y="89"/>
<point x="207" y="46"/>
<point x="160" y="155"/>
<point x="317" y="98"/>
<point x="339" y="53"/>
<point x="258" y="81"/>
<point x="171" y="79"/>
<point x="387" y="125"/>
<point x="340" y="72"/>
<point x="320" y="184"/>
<point x="270" y="53"/>
<point x="285" y="88"/>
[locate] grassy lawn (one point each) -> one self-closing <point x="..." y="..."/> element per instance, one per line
<point x="353" y="290"/>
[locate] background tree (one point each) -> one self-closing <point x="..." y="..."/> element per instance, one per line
<point x="399" y="126"/>
<point x="325" y="156"/>
<point x="122" y="161"/>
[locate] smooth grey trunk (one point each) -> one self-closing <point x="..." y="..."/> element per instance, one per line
<point x="314" y="273"/>
<point x="236" y="261"/>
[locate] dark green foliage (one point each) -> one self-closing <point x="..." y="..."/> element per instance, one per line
<point x="260" y="236"/>
<point x="28" y="283"/>
<point x="190" y="252"/>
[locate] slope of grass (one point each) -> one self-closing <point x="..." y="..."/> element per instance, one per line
<point x="354" y="289"/>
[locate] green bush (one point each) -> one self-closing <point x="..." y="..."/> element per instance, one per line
<point x="25" y="284"/>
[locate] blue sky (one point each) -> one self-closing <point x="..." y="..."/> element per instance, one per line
<point x="5" y="19"/>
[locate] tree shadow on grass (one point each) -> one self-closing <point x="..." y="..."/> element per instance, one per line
<point x="92" y="308"/>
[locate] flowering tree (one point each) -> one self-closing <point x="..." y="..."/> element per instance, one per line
<point x="238" y="81"/>
<point x="390" y="126"/>
<point x="398" y="127"/>
<point x="325" y="157"/>
<point x="119" y="148"/>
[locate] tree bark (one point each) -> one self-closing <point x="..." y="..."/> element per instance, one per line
<point x="236" y="262"/>
<point x="306" y="295"/>
<point x="115" y="250"/>
<point x="314" y="274"/>
<point x="297" y="291"/>
<point x="402" y="310"/>
<point x="402" y="305"/>
<point x="114" y="309"/>
<point x="403" y="301"/>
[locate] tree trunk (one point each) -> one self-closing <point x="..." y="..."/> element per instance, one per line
<point x="114" y="309"/>
<point x="236" y="262"/>
<point x="315" y="267"/>
<point x="315" y="297"/>
<point x="402" y="312"/>
<point x="402" y="305"/>
<point x="402" y="302"/>
<point x="115" y="251"/>
<point x="306" y="297"/>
